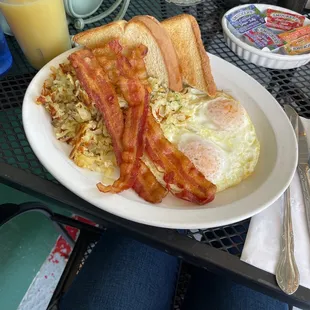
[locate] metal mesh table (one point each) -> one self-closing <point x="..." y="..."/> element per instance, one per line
<point x="20" y="168"/>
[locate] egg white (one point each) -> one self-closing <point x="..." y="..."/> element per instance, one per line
<point x="205" y="155"/>
<point x="226" y="135"/>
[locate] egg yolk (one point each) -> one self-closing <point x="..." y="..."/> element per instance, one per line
<point x="206" y="158"/>
<point x="226" y="114"/>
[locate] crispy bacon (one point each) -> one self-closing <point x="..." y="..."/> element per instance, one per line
<point x="103" y="95"/>
<point x="136" y="59"/>
<point x="147" y="186"/>
<point x="117" y="61"/>
<point x="100" y="90"/>
<point x="138" y="99"/>
<point x="179" y="170"/>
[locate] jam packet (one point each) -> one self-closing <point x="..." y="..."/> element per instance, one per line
<point x="294" y="34"/>
<point x="264" y="38"/>
<point x="299" y="46"/>
<point x="245" y="19"/>
<point x="283" y="20"/>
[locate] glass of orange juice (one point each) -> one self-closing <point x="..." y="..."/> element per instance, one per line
<point x="40" y="27"/>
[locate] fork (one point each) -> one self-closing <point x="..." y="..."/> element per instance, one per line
<point x="287" y="274"/>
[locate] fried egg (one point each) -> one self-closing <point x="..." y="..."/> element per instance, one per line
<point x="205" y="155"/>
<point x="217" y="135"/>
<point x="221" y="114"/>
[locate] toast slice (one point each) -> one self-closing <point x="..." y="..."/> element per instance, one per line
<point x="161" y="59"/>
<point x="195" y="65"/>
<point x="99" y="36"/>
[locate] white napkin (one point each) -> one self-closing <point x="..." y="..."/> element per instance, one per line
<point x="262" y="245"/>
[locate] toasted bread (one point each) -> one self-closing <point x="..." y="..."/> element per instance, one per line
<point x="161" y="59"/>
<point x="101" y="35"/>
<point x="195" y="65"/>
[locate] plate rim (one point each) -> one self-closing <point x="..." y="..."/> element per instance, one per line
<point x="155" y="222"/>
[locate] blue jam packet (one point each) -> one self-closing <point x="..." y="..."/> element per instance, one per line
<point x="245" y="19"/>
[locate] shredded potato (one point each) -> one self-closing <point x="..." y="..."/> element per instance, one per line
<point x="172" y="108"/>
<point x="77" y="122"/>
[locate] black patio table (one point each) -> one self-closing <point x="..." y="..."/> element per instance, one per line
<point x="218" y="250"/>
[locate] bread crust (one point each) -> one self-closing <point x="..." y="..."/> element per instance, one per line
<point x="94" y="37"/>
<point x="166" y="47"/>
<point x="205" y="61"/>
<point x="206" y="81"/>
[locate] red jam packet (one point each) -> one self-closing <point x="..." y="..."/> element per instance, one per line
<point x="295" y="34"/>
<point x="283" y="20"/>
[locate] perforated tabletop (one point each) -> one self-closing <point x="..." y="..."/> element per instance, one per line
<point x="287" y="86"/>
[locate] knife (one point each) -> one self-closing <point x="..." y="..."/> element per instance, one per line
<point x="303" y="158"/>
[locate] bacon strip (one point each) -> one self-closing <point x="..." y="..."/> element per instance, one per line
<point x="100" y="90"/>
<point x="138" y="99"/>
<point x="132" y="60"/>
<point x="179" y="170"/>
<point x="147" y="186"/>
<point x="102" y="93"/>
<point x="132" y="66"/>
<point x="106" y="102"/>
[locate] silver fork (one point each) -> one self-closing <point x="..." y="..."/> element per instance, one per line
<point x="287" y="274"/>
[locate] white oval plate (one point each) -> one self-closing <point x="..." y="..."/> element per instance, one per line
<point x="274" y="171"/>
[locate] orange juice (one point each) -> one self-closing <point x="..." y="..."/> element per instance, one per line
<point x="40" y="27"/>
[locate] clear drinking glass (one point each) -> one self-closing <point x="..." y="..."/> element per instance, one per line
<point x="40" y="27"/>
<point x="5" y="55"/>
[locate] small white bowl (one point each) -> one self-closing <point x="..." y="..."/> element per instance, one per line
<point x="259" y="57"/>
